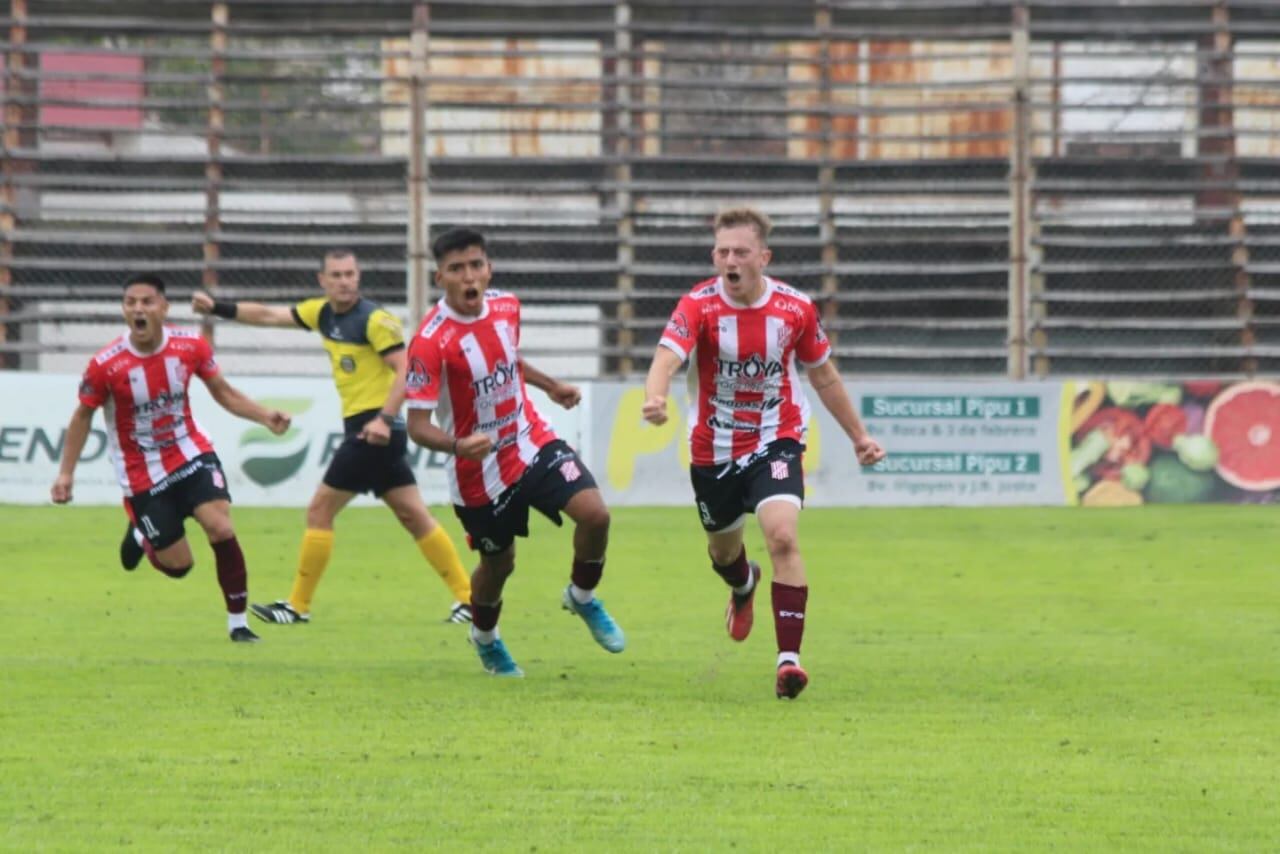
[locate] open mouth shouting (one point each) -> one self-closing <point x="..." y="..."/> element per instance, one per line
<point x="471" y="299"/>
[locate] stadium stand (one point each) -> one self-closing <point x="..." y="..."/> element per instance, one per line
<point x="971" y="187"/>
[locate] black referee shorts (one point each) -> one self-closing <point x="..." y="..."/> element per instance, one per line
<point x="358" y="466"/>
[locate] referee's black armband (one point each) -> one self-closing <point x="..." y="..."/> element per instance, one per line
<point x="225" y="308"/>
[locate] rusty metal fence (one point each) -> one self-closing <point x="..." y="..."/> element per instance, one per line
<point x="970" y="187"/>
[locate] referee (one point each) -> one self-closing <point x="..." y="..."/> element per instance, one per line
<point x="366" y="351"/>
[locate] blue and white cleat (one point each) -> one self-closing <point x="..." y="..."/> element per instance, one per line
<point x="497" y="660"/>
<point x="603" y="628"/>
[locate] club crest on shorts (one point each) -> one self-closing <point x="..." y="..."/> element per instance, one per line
<point x="218" y="480"/>
<point x="779" y="469"/>
<point x="569" y="471"/>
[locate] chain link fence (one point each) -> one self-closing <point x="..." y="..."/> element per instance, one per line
<point x="968" y="187"/>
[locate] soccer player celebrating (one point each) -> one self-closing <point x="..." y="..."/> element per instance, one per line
<point x="464" y="364"/>
<point x="164" y="462"/>
<point x="365" y="343"/>
<point x="748" y="427"/>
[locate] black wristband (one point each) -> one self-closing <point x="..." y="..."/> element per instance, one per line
<point x="455" y="447"/>
<point x="225" y="308"/>
<point x="387" y="418"/>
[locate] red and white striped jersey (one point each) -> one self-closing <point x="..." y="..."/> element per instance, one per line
<point x="468" y="370"/>
<point x="150" y="430"/>
<point x="748" y="391"/>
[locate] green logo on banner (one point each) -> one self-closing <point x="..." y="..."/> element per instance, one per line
<point x="276" y="458"/>
<point x="949" y="406"/>
<point x="985" y="465"/>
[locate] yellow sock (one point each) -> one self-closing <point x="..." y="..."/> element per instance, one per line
<point x="438" y="549"/>
<point x="313" y="557"/>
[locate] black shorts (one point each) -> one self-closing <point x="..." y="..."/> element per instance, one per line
<point x="555" y="476"/>
<point x="358" y="466"/>
<point x="725" y="492"/>
<point x="159" y="512"/>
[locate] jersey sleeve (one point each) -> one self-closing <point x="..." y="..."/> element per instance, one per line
<point x="812" y="346"/>
<point x="206" y="367"/>
<point x="422" y="374"/>
<point x="307" y="313"/>
<point x="93" y="386"/>
<point x="681" y="332"/>
<point x="384" y="332"/>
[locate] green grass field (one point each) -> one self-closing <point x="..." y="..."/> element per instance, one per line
<point x="1012" y="680"/>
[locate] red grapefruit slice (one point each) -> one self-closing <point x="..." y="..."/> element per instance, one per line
<point x="1244" y="422"/>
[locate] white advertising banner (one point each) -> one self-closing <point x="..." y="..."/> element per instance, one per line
<point x="955" y="443"/>
<point x="948" y="443"/>
<point x="1081" y="442"/>
<point x="262" y="470"/>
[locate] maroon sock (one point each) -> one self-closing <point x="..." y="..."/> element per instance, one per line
<point x="586" y="573"/>
<point x="232" y="577"/>
<point x="737" y="573"/>
<point x="788" y="616"/>
<point x="485" y="617"/>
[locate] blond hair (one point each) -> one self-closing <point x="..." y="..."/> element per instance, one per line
<point x="744" y="215"/>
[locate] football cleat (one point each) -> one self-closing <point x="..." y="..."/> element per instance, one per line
<point x="130" y="552"/>
<point x="603" y="629"/>
<point x="244" y="634"/>
<point x="740" y="613"/>
<point x="279" y="611"/>
<point x="459" y="613"/>
<point x="791" y="680"/>
<point x="496" y="660"/>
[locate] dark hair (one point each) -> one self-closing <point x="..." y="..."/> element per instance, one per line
<point x="455" y="239"/>
<point x="337" y="253"/>
<point x="145" y="279"/>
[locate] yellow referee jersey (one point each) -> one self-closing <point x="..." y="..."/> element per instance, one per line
<point x="356" y="341"/>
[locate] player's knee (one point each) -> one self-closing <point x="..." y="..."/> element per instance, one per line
<point x="596" y="520"/>
<point x="500" y="565"/>
<point x="499" y="573"/>
<point x="176" y="572"/>
<point x="318" y="518"/>
<point x="413" y="519"/>
<point x="724" y="555"/>
<point x="782" y="544"/>
<point x="219" y="531"/>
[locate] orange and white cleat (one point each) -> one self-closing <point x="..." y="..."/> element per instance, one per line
<point x="791" y="680"/>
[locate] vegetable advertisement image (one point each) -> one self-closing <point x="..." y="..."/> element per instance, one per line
<point x="1134" y="443"/>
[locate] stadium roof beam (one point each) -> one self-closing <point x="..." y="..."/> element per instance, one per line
<point x="957" y="20"/>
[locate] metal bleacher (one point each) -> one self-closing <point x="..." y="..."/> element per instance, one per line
<point x="969" y="187"/>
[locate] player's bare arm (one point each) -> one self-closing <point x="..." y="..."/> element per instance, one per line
<point x="825" y="379"/>
<point x="236" y="402"/>
<point x="658" y="383"/>
<point x="77" y="435"/>
<point x="378" y="430"/>
<point x="565" y="394"/>
<point x="477" y="446"/>
<point x="252" y="313"/>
